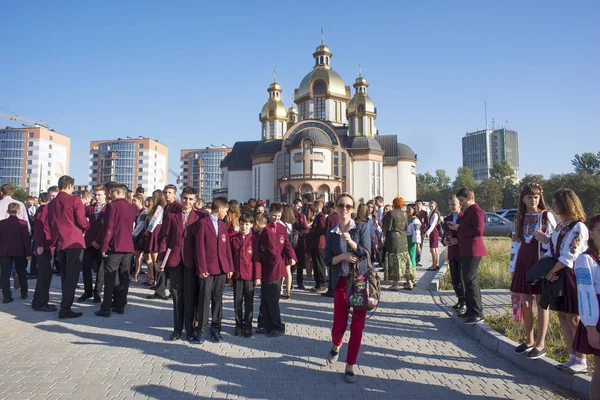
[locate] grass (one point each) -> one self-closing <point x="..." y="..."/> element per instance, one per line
<point x="493" y="270"/>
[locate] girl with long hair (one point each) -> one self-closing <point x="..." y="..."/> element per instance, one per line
<point x="434" y="235"/>
<point x="362" y="213"/>
<point x="587" y="270"/>
<point x="153" y="227"/>
<point x="138" y="233"/>
<point x="533" y="225"/>
<point x="288" y="219"/>
<point x="413" y="238"/>
<point x="148" y="204"/>
<point x="233" y="218"/>
<point x="568" y="241"/>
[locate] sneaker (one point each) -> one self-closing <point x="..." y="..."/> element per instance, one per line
<point x="522" y="348"/>
<point x="473" y="320"/>
<point x="578" y="368"/>
<point x="333" y="356"/>
<point x="566" y="365"/>
<point x="300" y="287"/>
<point x="351" y="377"/>
<point x="534" y="354"/>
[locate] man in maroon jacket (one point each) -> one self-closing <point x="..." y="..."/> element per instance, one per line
<point x="451" y="241"/>
<point x="92" y="254"/>
<point x="117" y="248"/>
<point x="180" y="264"/>
<point x="315" y="243"/>
<point x="215" y="265"/>
<point x="470" y="249"/>
<point x="15" y="246"/>
<point x="275" y="252"/>
<point x="42" y="242"/>
<point x="66" y="217"/>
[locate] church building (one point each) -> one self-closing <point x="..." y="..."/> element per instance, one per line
<point x="327" y="146"/>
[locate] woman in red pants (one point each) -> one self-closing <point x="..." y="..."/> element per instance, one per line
<point x="347" y="244"/>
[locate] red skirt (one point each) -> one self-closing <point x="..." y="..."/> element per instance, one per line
<point x="580" y="341"/>
<point x="570" y="304"/>
<point x="153" y="241"/>
<point x="434" y="239"/>
<point x="527" y="256"/>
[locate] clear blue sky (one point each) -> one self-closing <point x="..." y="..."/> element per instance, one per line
<point x="195" y="73"/>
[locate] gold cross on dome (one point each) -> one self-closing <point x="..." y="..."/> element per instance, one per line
<point x="274" y="74"/>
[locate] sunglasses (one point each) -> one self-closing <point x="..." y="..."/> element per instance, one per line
<point x="346" y="206"/>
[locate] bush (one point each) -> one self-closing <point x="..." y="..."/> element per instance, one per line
<point x="493" y="270"/>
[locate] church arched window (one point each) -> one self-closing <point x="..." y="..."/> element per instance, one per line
<point x="319" y="88"/>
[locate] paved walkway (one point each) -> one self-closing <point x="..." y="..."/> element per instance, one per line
<point x="411" y="349"/>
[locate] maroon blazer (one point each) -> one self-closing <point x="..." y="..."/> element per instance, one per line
<point x="422" y="215"/>
<point x="180" y="240"/>
<point x="315" y="239"/>
<point x="118" y="227"/>
<point x="41" y="230"/>
<point x="300" y="226"/>
<point x="67" y="221"/>
<point x="213" y="252"/>
<point x="245" y="265"/>
<point x="470" y="233"/>
<point x="448" y="234"/>
<point x="14" y="237"/>
<point x="331" y="221"/>
<point x="174" y="207"/>
<point x="96" y="225"/>
<point x="273" y="248"/>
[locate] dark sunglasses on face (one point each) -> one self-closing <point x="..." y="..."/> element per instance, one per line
<point x="346" y="206"/>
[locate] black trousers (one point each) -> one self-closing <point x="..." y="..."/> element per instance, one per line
<point x="161" y="284"/>
<point x="33" y="268"/>
<point x="210" y="293"/>
<point x="6" y="268"/>
<point x="300" y="253"/>
<point x="457" y="279"/>
<point x="92" y="257"/>
<point x="469" y="267"/>
<point x="41" y="296"/>
<point x="116" y="263"/>
<point x="184" y="287"/>
<point x="270" y="293"/>
<point x="318" y="267"/>
<point x="243" y="292"/>
<point x="70" y="268"/>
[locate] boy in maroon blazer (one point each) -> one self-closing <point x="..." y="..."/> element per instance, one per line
<point x="15" y="246"/>
<point x="470" y="250"/>
<point x="246" y="275"/>
<point x="214" y="265"/>
<point x="117" y="248"/>
<point x="274" y="247"/>
<point x="42" y="243"/>
<point x="180" y="265"/>
<point x="315" y="242"/>
<point x="67" y="221"/>
<point x="451" y="241"/>
<point x="92" y="254"/>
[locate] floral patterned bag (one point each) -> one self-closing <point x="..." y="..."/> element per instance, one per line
<point x="363" y="292"/>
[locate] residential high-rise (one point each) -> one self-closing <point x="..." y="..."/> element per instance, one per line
<point x="33" y="157"/>
<point x="133" y="162"/>
<point x="483" y="149"/>
<point x="201" y="168"/>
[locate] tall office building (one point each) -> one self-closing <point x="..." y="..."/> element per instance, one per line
<point x="483" y="149"/>
<point x="33" y="157"/>
<point x="201" y="168"/>
<point x="133" y="162"/>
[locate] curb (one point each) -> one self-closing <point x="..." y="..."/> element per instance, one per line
<point x="544" y="367"/>
<point x="434" y="285"/>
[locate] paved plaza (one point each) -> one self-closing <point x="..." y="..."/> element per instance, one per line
<point x="411" y="349"/>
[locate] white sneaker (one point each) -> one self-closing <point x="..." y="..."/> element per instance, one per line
<point x="579" y="368"/>
<point x="566" y="365"/>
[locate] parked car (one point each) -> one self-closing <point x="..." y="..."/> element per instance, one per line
<point x="508" y="213"/>
<point x="495" y="225"/>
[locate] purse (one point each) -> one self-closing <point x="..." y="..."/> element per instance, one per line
<point x="363" y="291"/>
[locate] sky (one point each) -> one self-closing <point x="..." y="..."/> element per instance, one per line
<point x="194" y="73"/>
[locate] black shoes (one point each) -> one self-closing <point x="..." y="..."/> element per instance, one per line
<point x="327" y="294"/>
<point x="261" y="331"/>
<point x="216" y="337"/>
<point x="274" y="334"/>
<point x="46" y="308"/>
<point x="118" y="310"/>
<point x="24" y="296"/>
<point x="102" y="313"/>
<point x="248" y="333"/>
<point x="238" y="331"/>
<point x="197" y="338"/>
<point x="534" y="354"/>
<point x="7" y="300"/>
<point x="473" y="320"/>
<point x="84" y="297"/>
<point x="300" y="287"/>
<point x="62" y="314"/>
<point x="175" y="336"/>
<point x="97" y="298"/>
<point x="459" y="305"/>
<point x="318" y="290"/>
<point x="156" y="296"/>
<point x="522" y="348"/>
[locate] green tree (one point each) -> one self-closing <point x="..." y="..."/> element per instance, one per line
<point x="510" y="196"/>
<point x="464" y="178"/>
<point x="503" y="173"/>
<point x="532" y="178"/>
<point x="587" y="187"/>
<point x="490" y="195"/>
<point x="442" y="180"/>
<point x="18" y="192"/>
<point x="588" y="163"/>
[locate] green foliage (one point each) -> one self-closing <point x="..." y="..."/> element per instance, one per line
<point x="503" y="174"/>
<point x="490" y="195"/>
<point x="587" y="163"/>
<point x="510" y="196"/>
<point x="587" y="187"/>
<point x="464" y="178"/>
<point x="19" y="193"/>
<point x="435" y="188"/>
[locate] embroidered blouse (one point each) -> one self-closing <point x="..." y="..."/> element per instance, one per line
<point x="573" y="244"/>
<point x="414" y="229"/>
<point x="532" y="222"/>
<point x="344" y="245"/>
<point x="587" y="273"/>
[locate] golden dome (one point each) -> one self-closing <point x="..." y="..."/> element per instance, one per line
<point x="273" y="110"/>
<point x="322" y="50"/>
<point x="274" y="87"/>
<point x="292" y="110"/>
<point x="335" y="84"/>
<point x="358" y="100"/>
<point x="360" y="81"/>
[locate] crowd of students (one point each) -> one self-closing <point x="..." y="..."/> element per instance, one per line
<point x="199" y="247"/>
